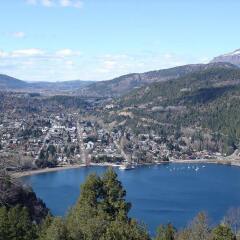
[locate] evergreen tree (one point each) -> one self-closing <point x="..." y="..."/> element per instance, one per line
<point x="55" y="231"/>
<point x="101" y="211"/>
<point x="222" y="232"/>
<point x="85" y="220"/>
<point x="4" y="224"/>
<point x="165" y="232"/>
<point x="125" y="230"/>
<point x="114" y="203"/>
<point x="15" y="224"/>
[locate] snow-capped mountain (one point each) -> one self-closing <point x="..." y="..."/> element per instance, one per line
<point x="233" y="57"/>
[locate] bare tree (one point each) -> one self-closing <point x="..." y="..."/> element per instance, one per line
<point x="232" y="219"/>
<point x="199" y="228"/>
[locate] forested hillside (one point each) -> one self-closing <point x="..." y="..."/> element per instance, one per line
<point x="124" y="84"/>
<point x="205" y="103"/>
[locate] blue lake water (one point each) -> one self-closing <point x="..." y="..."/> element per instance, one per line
<point x="159" y="194"/>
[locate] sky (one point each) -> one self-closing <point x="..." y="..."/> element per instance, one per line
<point x="58" y="40"/>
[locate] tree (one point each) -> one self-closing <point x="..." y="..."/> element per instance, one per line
<point x="43" y="227"/>
<point x="222" y="232"/>
<point x="114" y="203"/>
<point x="199" y="229"/>
<point x="15" y="224"/>
<point x="232" y="219"/>
<point x="101" y="212"/>
<point x="84" y="220"/>
<point x="165" y="232"/>
<point x="125" y="230"/>
<point x="4" y="224"/>
<point x="55" y="231"/>
<point x="42" y="155"/>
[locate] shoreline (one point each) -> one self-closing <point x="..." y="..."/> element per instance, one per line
<point x="74" y="166"/>
<point x="45" y="170"/>
<point x="59" y="168"/>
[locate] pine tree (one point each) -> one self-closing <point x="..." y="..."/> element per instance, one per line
<point x="15" y="224"/>
<point x="222" y="232"/>
<point x="4" y="224"/>
<point x="165" y="232"/>
<point x="55" y="231"/>
<point x="114" y="203"/>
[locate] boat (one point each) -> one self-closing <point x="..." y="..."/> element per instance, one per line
<point x="126" y="167"/>
<point x="196" y="169"/>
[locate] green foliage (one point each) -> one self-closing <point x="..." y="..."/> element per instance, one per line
<point x="15" y="224"/>
<point x="165" y="232"/>
<point x="4" y="224"/>
<point x="47" y="158"/>
<point x="208" y="100"/>
<point x="56" y="230"/>
<point x="101" y="211"/>
<point x="121" y="230"/>
<point x="114" y="196"/>
<point x="222" y="232"/>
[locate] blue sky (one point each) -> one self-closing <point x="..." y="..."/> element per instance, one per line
<point x="55" y="40"/>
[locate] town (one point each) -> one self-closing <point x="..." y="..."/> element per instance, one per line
<point x="37" y="133"/>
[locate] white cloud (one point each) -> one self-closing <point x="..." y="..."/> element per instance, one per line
<point x="59" y="3"/>
<point x="65" y="3"/>
<point x="71" y="3"/>
<point x="18" y="34"/>
<point x="109" y="66"/>
<point x="31" y="52"/>
<point x="67" y="64"/>
<point x="3" y="54"/>
<point x="47" y="3"/>
<point x="67" y="53"/>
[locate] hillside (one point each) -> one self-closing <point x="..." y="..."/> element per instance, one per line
<point x="125" y="84"/>
<point x="59" y="86"/>
<point x="7" y="82"/>
<point x="111" y="88"/>
<point x="10" y="83"/>
<point x="203" y="105"/>
<point x="233" y="57"/>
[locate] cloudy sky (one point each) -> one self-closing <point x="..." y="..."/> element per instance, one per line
<point x="55" y="40"/>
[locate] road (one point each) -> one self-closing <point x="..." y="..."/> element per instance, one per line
<point x="44" y="143"/>
<point x="81" y="144"/>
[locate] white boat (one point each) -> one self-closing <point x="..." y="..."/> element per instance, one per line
<point x="196" y="169"/>
<point x="126" y="167"/>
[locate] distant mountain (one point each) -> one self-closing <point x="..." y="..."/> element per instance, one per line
<point x="60" y="86"/>
<point x="125" y="84"/>
<point x="233" y="57"/>
<point x="111" y="88"/>
<point x="7" y="82"/>
<point x="10" y="83"/>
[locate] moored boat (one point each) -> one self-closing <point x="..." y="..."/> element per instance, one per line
<point x="126" y="167"/>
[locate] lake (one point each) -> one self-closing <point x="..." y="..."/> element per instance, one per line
<point x="159" y="194"/>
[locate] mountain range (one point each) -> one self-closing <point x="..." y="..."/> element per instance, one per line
<point x="10" y="83"/>
<point x="121" y="85"/>
<point x="200" y="102"/>
<point x="125" y="84"/>
<point x="233" y="57"/>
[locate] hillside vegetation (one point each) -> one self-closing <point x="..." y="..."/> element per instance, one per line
<point x="125" y="84"/>
<point x="206" y="103"/>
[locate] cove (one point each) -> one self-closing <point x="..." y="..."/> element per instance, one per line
<point x="159" y="194"/>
